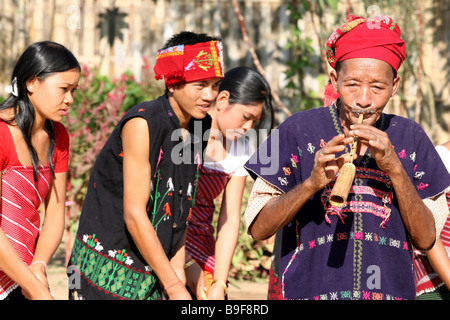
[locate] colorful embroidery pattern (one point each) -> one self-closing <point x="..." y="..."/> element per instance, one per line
<point x="112" y="274"/>
<point x="311" y="148"/>
<point x="352" y="235"/>
<point x="203" y="60"/>
<point x="287" y="171"/>
<point x="355" y="295"/>
<point x="359" y="206"/>
<point x="156" y="198"/>
<point x="359" y="238"/>
<point x="198" y="161"/>
<point x="170" y="52"/>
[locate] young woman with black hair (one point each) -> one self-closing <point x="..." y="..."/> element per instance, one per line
<point x="243" y="101"/>
<point x="34" y="162"/>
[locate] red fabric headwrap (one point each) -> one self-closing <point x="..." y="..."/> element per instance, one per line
<point x="330" y="95"/>
<point x="189" y="63"/>
<point x="377" y="38"/>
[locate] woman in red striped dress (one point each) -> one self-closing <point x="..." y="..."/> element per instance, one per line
<point x="243" y="100"/>
<point x="33" y="162"/>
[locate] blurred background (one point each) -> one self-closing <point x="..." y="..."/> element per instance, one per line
<point x="288" y="37"/>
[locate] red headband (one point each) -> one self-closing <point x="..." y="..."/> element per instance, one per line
<point x="377" y="38"/>
<point x="189" y="63"/>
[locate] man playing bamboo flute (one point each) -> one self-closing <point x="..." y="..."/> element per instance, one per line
<point x="361" y="250"/>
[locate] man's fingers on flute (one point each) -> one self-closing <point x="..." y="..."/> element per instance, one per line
<point x="336" y="139"/>
<point x="340" y="139"/>
<point x="331" y="150"/>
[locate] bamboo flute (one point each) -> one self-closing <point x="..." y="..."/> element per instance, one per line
<point x="344" y="181"/>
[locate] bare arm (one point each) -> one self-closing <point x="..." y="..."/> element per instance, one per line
<point x="287" y="205"/>
<point x="440" y="261"/>
<point x="179" y="258"/>
<point x="417" y="218"/>
<point x="227" y="232"/>
<point x="137" y="183"/>
<point x="437" y="256"/>
<point x="53" y="226"/>
<point x="18" y="271"/>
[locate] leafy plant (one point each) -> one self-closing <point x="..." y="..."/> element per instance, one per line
<point x="304" y="59"/>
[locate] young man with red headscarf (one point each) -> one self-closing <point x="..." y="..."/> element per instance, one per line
<point x="362" y="250"/>
<point x="132" y="229"/>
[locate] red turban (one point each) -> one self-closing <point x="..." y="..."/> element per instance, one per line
<point x="189" y="63"/>
<point x="377" y="38"/>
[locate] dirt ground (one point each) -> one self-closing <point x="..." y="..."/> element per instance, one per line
<point x="56" y="272"/>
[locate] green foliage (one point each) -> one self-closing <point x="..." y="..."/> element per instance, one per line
<point x="303" y="55"/>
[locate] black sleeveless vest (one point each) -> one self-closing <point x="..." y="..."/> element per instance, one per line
<point x="104" y="255"/>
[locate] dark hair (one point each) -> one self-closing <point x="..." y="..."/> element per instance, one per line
<point x="189" y="38"/>
<point x="247" y="86"/>
<point x="40" y="60"/>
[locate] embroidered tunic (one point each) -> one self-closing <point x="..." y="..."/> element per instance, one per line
<point x="200" y="241"/>
<point x="104" y="253"/>
<point x="365" y="254"/>
<point x="21" y="196"/>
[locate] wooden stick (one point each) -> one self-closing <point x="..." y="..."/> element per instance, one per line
<point x="344" y="181"/>
<point x="355" y="140"/>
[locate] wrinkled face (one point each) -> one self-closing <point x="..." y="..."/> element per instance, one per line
<point x="52" y="96"/>
<point x="193" y="99"/>
<point x="365" y="86"/>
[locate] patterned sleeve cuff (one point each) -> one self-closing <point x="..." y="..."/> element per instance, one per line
<point x="261" y="193"/>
